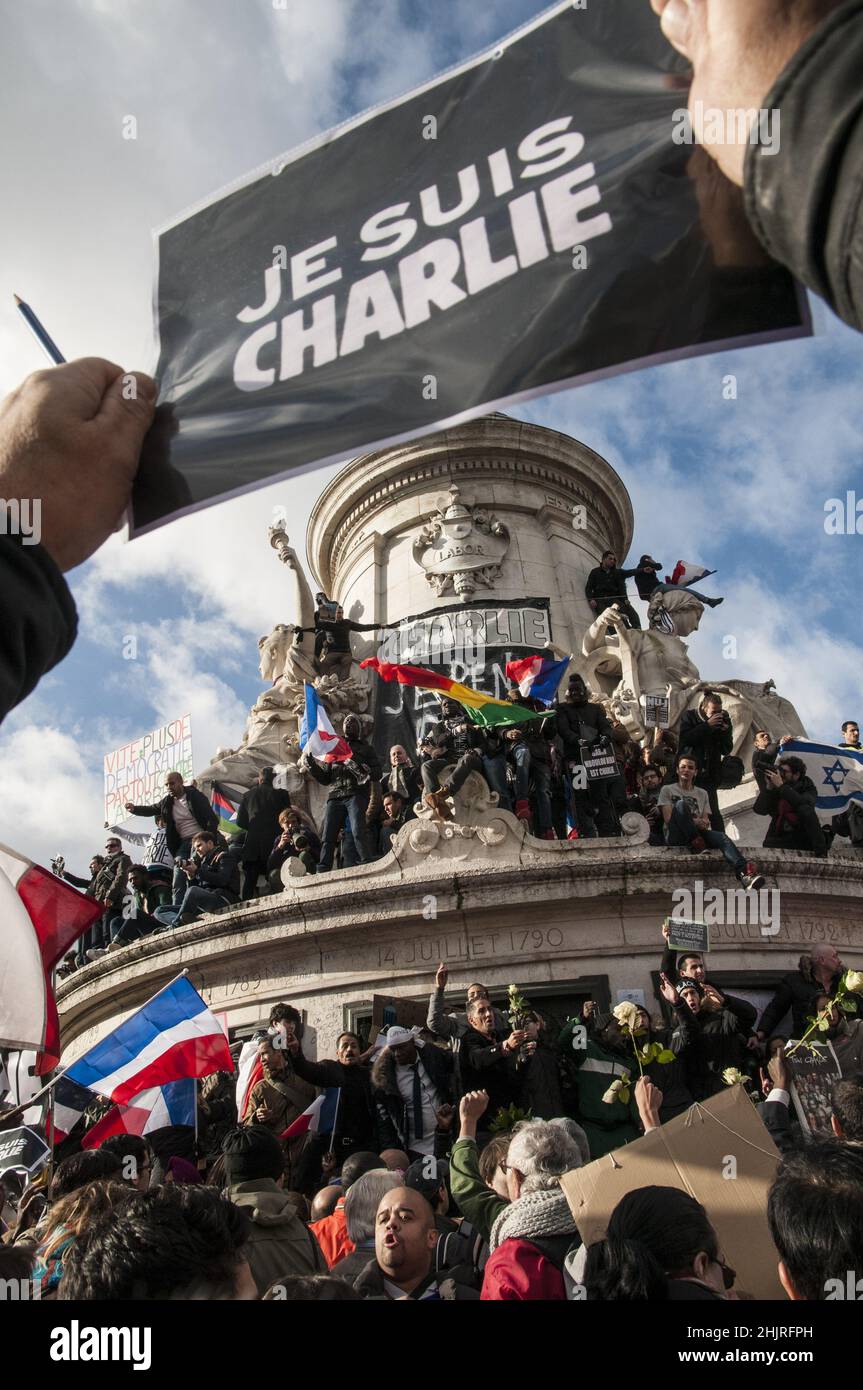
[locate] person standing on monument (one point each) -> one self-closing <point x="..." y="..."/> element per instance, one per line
<point x="259" y="817"/>
<point x="333" y="638"/>
<point x="354" y="794"/>
<point x="706" y="733"/>
<point x="185" y="812"/>
<point x="647" y="583"/>
<point x="581" y="724"/>
<point x="606" y="584"/>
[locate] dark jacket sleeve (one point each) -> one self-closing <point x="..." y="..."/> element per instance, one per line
<point x="481" y="1058"/>
<point x="778" y="1123"/>
<point x="668" y="964"/>
<point x="743" y="1011"/>
<point x="387" y="1134"/>
<point x="321" y="772"/>
<point x="75" y="880"/>
<point x="202" y="809"/>
<point x="38" y="620"/>
<point x="147" y="810"/>
<point x="218" y="874"/>
<point x="805" y="202"/>
<point x="243" y="813"/>
<point x="777" y="1008"/>
<point x="326" y="1073"/>
<point x="590" y="586"/>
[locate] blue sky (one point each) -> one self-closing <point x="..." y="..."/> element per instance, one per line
<point x="217" y="87"/>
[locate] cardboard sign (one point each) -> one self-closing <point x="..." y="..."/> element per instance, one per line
<point x="137" y="771"/>
<point x="657" y="713"/>
<point x="813" y="1075"/>
<point x="693" y="1153"/>
<point x="406" y="1012"/>
<point x="687" y="936"/>
<point x="631" y="996"/>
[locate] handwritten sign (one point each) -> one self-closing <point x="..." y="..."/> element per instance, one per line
<point x="136" y="772"/>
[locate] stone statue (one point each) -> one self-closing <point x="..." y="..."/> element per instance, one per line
<point x="676" y="612"/>
<point x="460" y="548"/>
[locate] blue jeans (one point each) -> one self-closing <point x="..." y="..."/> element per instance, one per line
<point x="337" y="812"/>
<point x="195" y="901"/>
<point x="495" y="774"/>
<point x="682" y="830"/>
<point x="524" y="765"/>
<point x="180" y="882"/>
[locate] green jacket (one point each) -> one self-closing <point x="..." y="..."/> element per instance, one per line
<point x="476" y="1202"/>
<point x="606" y="1124"/>
<point x="280" y="1243"/>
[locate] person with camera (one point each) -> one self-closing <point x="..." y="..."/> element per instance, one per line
<point x="707" y="734"/>
<point x="88" y="885"/>
<point x="185" y="811"/>
<point x="585" y="728"/>
<point x="212" y="879"/>
<point x="646" y="803"/>
<point x="143" y="898"/>
<point x="685" y="810"/>
<point x="789" y="798"/>
<point x="294" y="840"/>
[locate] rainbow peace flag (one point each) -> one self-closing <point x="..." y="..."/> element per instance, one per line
<point x="481" y="709"/>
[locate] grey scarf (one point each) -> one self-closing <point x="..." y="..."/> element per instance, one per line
<point x="537" y="1214"/>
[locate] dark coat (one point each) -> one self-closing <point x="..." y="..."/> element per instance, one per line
<point x="484" y="1065"/>
<point x="404" y="781"/>
<point x="259" y="817"/>
<point x="805" y="203"/>
<point x="798" y="796"/>
<point x="198" y="805"/>
<point x="796" y="992"/>
<point x="109" y="884"/>
<point x="607" y="586"/>
<point x="707" y="1044"/>
<point x="38" y="620"/>
<point x="339" y="778"/>
<point x="707" y="745"/>
<point x="355" y="1120"/>
<point x="570" y="718"/>
<point x="391" y="1109"/>
<point x="763" y="760"/>
<point x="220" y="873"/>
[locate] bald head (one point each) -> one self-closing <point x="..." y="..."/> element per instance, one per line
<point x="826" y="957"/>
<point x="405" y="1237"/>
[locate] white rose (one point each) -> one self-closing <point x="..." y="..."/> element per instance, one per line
<point x="731" y="1076"/>
<point x="854" y="981"/>
<point x="627" y="1015"/>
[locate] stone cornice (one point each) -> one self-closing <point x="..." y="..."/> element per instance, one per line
<point x="482" y="450"/>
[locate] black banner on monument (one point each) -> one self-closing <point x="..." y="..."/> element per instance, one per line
<point x="471" y="644"/>
<point x="533" y="219"/>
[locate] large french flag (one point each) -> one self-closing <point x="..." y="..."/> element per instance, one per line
<point x="42" y="917"/>
<point x="173" y="1104"/>
<point x="537" y="676"/>
<point x="318" y="738"/>
<point x="172" y="1037"/>
<point x="320" y="1118"/>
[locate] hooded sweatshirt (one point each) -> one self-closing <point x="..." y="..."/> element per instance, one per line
<point x="280" y="1242"/>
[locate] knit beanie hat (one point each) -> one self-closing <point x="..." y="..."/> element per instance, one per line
<point x="251" y="1151"/>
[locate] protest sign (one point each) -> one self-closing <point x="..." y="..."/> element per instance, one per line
<point x="813" y="1075"/>
<point x="136" y="772"/>
<point x="532" y="219"/>
<point x="406" y="1012"/>
<point x="721" y="1154"/>
<point x="687" y="936"/>
<point x="600" y="762"/>
<point x="23" y="1148"/>
<point x="656" y="711"/>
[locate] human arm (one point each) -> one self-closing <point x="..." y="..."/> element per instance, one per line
<point x="437" y="1020"/>
<point x="775" y="1010"/>
<point x="648" y="1098"/>
<point x="66" y="434"/>
<point x="134" y="837"/>
<point x="326" y="1073"/>
<point x="75" y="880"/>
<point x="800" y="59"/>
<point x="743" y="1011"/>
<point x="217" y="874"/>
<point x="476" y="1202"/>
<point x="243" y="813"/>
<point x="143" y="810"/>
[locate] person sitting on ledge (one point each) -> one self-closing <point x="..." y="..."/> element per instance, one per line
<point x="213" y="878"/>
<point x="686" y="812"/>
<point x="144" y="897"/>
<point x="789" y="798"/>
<point x="396" y="813"/>
<point x="402" y="778"/>
<point x="646" y="803"/>
<point x="453" y="739"/>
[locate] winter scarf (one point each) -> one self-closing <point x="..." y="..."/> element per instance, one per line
<point x="537" y="1214"/>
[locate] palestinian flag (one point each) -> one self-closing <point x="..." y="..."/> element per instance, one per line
<point x="479" y="708"/>
<point x="226" y="810"/>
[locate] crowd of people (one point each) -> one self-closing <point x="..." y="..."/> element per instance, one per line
<point x="540" y="771"/>
<point x="439" y="1177"/>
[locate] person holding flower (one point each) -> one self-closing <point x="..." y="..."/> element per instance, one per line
<point x="613" y="1071"/>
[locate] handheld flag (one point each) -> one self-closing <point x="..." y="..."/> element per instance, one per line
<point x="171" y="1037"/>
<point x="481" y="709"/>
<point x="836" y="772"/>
<point x="226" y="809"/>
<point x="685" y="573"/>
<point x="172" y="1104"/>
<point x="320" y="1118"/>
<point x="318" y="738"/>
<point x="42" y="917"/>
<point x="537" y="676"/>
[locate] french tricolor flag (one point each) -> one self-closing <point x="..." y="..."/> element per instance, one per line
<point x="686" y="573"/>
<point x="172" y="1037"/>
<point x="537" y="676"/>
<point x="42" y="917"/>
<point x="173" y="1104"/>
<point x="318" y="738"/>
<point x="320" y="1118"/>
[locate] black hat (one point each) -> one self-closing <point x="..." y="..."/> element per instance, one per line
<point x="427" y="1175"/>
<point x="252" y="1152"/>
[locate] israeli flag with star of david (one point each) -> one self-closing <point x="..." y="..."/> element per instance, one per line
<point x="836" y="772"/>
